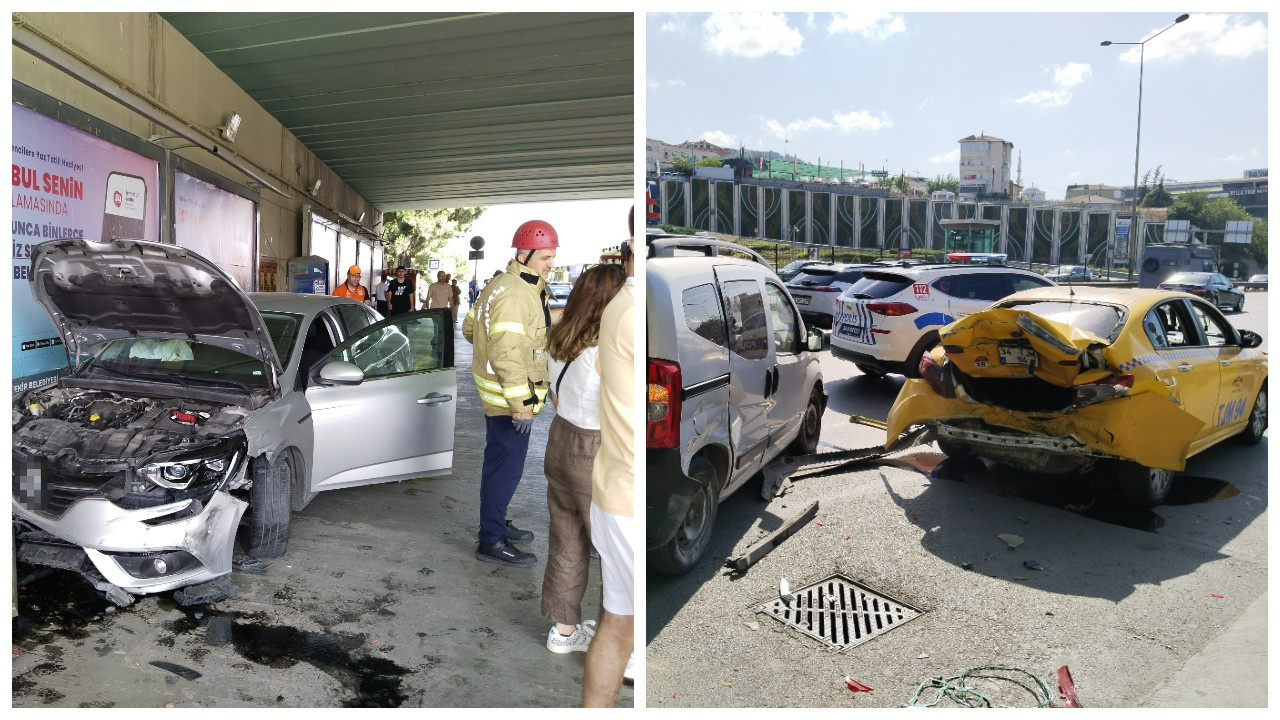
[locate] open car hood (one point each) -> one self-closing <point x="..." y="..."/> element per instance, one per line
<point x="1067" y="355"/>
<point x="96" y="292"/>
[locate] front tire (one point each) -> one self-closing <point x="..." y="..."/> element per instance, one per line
<point x="1240" y="304"/>
<point x="267" y="534"/>
<point x="1143" y="486"/>
<point x="806" y="442"/>
<point x="683" y="551"/>
<point x="1257" y="425"/>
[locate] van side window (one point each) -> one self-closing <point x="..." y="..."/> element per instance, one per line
<point x="703" y="315"/>
<point x="748" y="324"/>
<point x="786" y="327"/>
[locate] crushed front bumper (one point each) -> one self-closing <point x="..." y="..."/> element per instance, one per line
<point x="117" y="541"/>
<point x="1145" y="428"/>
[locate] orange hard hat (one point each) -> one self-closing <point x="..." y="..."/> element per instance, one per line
<point x="535" y="235"/>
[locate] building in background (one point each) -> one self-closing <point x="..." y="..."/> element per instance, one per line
<point x="984" y="166"/>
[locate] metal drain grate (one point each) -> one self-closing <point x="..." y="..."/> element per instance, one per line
<point x="839" y="612"/>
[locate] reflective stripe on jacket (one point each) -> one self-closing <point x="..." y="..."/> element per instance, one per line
<point x="507" y="326"/>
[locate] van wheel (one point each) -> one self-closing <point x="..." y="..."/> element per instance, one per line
<point x="683" y="551"/>
<point x="1252" y="434"/>
<point x="806" y="442"/>
<point x="1143" y="486"/>
<point x="268" y="514"/>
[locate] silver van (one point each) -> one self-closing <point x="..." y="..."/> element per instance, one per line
<point x="733" y="382"/>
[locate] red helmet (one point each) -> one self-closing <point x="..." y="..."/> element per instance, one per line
<point x="535" y="235"/>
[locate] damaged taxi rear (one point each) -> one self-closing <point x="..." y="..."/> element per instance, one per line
<point x="1060" y="380"/>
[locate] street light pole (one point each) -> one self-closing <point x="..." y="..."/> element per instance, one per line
<point x="1137" y="145"/>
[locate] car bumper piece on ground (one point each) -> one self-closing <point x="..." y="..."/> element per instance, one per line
<point x="198" y="548"/>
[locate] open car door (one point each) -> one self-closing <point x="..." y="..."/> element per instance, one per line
<point x="383" y="403"/>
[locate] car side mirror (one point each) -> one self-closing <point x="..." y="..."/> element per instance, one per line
<point x="813" y="341"/>
<point x="340" y="372"/>
<point x="1250" y="339"/>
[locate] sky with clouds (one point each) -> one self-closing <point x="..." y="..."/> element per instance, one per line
<point x="899" y="90"/>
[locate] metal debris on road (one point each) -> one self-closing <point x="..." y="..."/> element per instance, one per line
<point x="1032" y="565"/>
<point x="1067" y="689"/>
<point x="249" y="564"/>
<point x="922" y="656"/>
<point x="829" y="463"/>
<point x="212" y="591"/>
<point x="1010" y="539"/>
<point x="773" y="539"/>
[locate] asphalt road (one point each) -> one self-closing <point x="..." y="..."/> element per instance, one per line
<point x="1159" y="608"/>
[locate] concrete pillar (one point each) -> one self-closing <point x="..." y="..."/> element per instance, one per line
<point x="856" y="241"/>
<point x="1002" y="244"/>
<point x="880" y="207"/>
<point x="737" y="210"/>
<point x="784" y="197"/>
<point x="713" y="215"/>
<point x="1055" y="239"/>
<point x="760" y="212"/>
<point x="831" y="221"/>
<point x="1031" y="236"/>
<point x="808" y="217"/>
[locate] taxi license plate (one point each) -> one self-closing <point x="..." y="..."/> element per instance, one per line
<point x="801" y="299"/>
<point x="1017" y="356"/>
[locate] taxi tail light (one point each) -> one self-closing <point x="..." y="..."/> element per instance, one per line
<point x="662" y="411"/>
<point x="933" y="374"/>
<point x="891" y="309"/>
<point x="1105" y="389"/>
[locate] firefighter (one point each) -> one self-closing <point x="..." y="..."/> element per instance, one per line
<point x="507" y="326"/>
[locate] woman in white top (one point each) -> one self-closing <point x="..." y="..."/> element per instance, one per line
<point x="571" y="448"/>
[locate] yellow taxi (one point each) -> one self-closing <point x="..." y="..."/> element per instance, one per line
<point x="1060" y="379"/>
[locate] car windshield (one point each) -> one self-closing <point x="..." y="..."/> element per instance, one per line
<point x="1189" y="278"/>
<point x="283" y="328"/>
<point x="1103" y="321"/>
<point x="182" y="362"/>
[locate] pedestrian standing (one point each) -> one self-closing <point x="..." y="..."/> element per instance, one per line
<point x="613" y="526"/>
<point x="351" y="287"/>
<point x="380" y="295"/>
<point x="571" y="449"/>
<point x="399" y="294"/>
<point x="508" y="328"/>
<point x="438" y="292"/>
<point x="455" y="299"/>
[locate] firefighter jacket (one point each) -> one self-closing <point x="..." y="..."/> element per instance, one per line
<point x="507" y="326"/>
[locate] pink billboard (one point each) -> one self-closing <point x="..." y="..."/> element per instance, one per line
<point x="66" y="184"/>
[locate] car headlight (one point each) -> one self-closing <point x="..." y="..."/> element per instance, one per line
<point x="211" y="464"/>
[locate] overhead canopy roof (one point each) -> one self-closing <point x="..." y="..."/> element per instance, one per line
<point x="427" y="110"/>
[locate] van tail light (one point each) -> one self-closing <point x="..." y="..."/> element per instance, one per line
<point x="662" y="412"/>
<point x="931" y="372"/>
<point x="1105" y="389"/>
<point x="891" y="309"/>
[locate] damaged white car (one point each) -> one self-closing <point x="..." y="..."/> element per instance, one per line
<point x="193" y="408"/>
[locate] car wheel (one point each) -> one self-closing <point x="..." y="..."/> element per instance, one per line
<point x="1257" y="425"/>
<point x="873" y="373"/>
<point x="1240" y="304"/>
<point x="268" y="531"/>
<point x="1213" y="300"/>
<point x="1143" y="486"/>
<point x="683" y="551"/>
<point x="927" y="343"/>
<point x="806" y="442"/>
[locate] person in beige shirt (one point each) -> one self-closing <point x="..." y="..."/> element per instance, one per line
<point x="438" y="293"/>
<point x="613" y="523"/>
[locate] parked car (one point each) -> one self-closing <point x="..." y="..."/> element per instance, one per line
<point x="816" y="289"/>
<point x="191" y="405"/>
<point x="1257" y="278"/>
<point x="890" y="318"/>
<point x="791" y="269"/>
<point x="733" y="382"/>
<point x="559" y="294"/>
<point x="1070" y="273"/>
<point x="1058" y="380"/>
<point x="1214" y="287"/>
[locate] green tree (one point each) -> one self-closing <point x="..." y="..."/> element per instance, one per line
<point x="681" y="164"/>
<point x="1213" y="214"/>
<point x="413" y="237"/>
<point x="709" y="162"/>
<point x="949" y="183"/>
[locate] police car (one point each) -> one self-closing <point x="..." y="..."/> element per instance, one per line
<point x="888" y="319"/>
